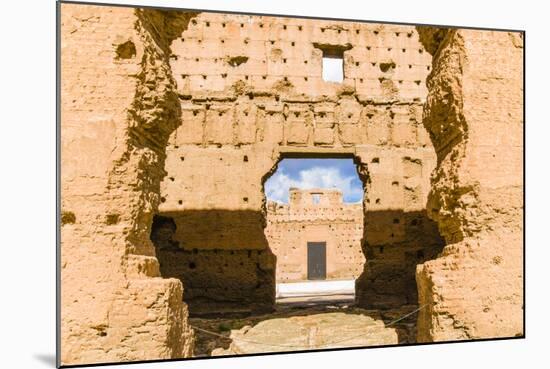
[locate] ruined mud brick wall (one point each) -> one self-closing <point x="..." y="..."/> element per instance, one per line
<point x="398" y="233"/>
<point x="291" y="226"/>
<point x="246" y="92"/>
<point x="118" y="108"/>
<point x="251" y="93"/>
<point x="474" y="116"/>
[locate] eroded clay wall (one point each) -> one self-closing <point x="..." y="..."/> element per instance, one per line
<point x="291" y="226"/>
<point x="398" y="233"/>
<point x="217" y="101"/>
<point x="474" y="114"/>
<point x="251" y="93"/>
<point x="118" y="108"/>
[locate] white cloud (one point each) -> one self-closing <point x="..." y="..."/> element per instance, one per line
<point x="277" y="187"/>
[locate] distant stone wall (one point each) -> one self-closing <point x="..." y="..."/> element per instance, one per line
<point x="291" y="226"/>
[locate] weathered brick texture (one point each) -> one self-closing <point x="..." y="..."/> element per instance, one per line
<point x="184" y="116"/>
<point x="474" y="116"/>
<point x="118" y="108"/>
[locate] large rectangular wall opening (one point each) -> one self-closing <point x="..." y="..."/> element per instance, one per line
<point x="314" y="226"/>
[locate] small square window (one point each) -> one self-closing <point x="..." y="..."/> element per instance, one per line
<point x="316" y="198"/>
<point x="333" y="61"/>
<point x="333" y="69"/>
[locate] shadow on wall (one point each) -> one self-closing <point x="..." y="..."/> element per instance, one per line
<point x="222" y="258"/>
<point x="224" y="262"/>
<point x="395" y="242"/>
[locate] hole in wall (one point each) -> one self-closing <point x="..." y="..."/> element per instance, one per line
<point x="112" y="219"/>
<point x="332" y="61"/>
<point x="316" y="200"/>
<point x="126" y="50"/>
<point x="387" y="66"/>
<point x="67" y="217"/>
<point x="235" y="61"/>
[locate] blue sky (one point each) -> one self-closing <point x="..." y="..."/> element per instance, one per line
<point x="314" y="173"/>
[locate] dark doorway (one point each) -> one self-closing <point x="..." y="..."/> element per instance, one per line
<point x="316" y="260"/>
